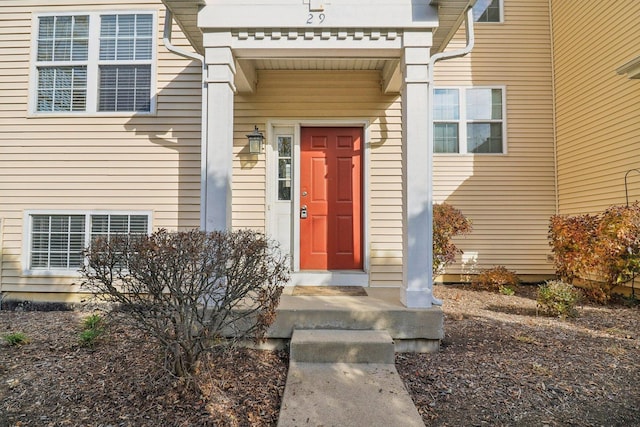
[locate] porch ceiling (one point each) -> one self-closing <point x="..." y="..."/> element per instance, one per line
<point x="450" y="14"/>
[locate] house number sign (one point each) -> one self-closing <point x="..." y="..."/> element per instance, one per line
<point x="314" y="18"/>
<point x="316" y="11"/>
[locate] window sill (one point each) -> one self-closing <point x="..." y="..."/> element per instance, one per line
<point x="51" y="273"/>
<point x="127" y="115"/>
<point x="467" y="154"/>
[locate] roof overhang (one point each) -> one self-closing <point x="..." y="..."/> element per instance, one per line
<point x="185" y="14"/>
<point x="450" y="15"/>
<point x="631" y="68"/>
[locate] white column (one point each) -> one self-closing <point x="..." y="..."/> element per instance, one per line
<point x="217" y="156"/>
<point x="417" y="173"/>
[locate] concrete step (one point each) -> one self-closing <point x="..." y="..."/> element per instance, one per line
<point x="341" y="346"/>
<point x="412" y="330"/>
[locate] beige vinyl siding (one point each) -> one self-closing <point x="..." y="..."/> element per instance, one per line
<point x="598" y="111"/>
<point x="81" y="162"/>
<point x="508" y="197"/>
<point x="327" y="95"/>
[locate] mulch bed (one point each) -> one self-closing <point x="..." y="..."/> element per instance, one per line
<point x="53" y="381"/>
<point x="499" y="364"/>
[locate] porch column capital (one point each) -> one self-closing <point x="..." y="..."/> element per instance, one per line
<point x="221" y="66"/>
<point x="417" y="263"/>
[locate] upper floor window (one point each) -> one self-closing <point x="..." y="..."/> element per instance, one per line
<point x="57" y="241"/>
<point x="469" y="120"/>
<point x="94" y="63"/>
<point x="487" y="11"/>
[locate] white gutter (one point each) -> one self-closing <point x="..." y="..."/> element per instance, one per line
<point x="166" y="39"/>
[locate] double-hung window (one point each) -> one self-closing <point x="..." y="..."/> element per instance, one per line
<point x="487" y="11"/>
<point x="57" y="241"/>
<point x="469" y="120"/>
<point x="94" y="63"/>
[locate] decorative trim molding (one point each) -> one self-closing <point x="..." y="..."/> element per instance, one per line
<point x="317" y="34"/>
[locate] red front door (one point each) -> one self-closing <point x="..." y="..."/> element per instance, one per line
<point x="330" y="199"/>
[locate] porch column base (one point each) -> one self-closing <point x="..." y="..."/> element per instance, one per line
<point x="418" y="298"/>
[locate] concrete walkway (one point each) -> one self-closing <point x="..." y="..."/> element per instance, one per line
<point x="346" y="394"/>
<point x="345" y="378"/>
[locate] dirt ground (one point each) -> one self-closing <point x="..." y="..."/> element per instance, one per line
<point x="499" y="364"/>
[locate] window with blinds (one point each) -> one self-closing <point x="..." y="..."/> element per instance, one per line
<point x="57" y="241"/>
<point x="125" y="62"/>
<point x="95" y="62"/>
<point x="63" y="51"/>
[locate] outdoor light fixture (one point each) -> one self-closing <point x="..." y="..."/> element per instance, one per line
<point x="255" y="141"/>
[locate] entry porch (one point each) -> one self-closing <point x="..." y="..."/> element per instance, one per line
<point x="412" y="330"/>
<point x="248" y="50"/>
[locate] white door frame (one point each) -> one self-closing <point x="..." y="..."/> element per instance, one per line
<point x="298" y="277"/>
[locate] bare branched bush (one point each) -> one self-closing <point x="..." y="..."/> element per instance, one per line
<point x="192" y="291"/>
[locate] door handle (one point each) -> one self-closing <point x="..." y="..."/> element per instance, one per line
<point x="303" y="211"/>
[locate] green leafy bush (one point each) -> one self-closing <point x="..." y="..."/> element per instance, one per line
<point x="558" y="298"/>
<point x="448" y="222"/>
<point x="603" y="249"/>
<point x="497" y="279"/>
<point x="16" y="338"/>
<point x="192" y="291"/>
<point x="93" y="321"/>
<point x="93" y="329"/>
<point x="507" y="290"/>
<point x="88" y="337"/>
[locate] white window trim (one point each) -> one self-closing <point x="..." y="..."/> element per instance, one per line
<point x="462" y="120"/>
<point x="26" y="236"/>
<point x="92" y="63"/>
<point x="501" y="21"/>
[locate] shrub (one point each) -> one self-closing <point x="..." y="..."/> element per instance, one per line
<point x="604" y="249"/>
<point x="448" y="222"/>
<point x="16" y="338"/>
<point x="572" y="240"/>
<point x="192" y="291"/>
<point x="558" y="298"/>
<point x="618" y="248"/>
<point x="497" y="279"/>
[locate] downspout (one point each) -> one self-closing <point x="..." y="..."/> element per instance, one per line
<point x="468" y="23"/>
<point x="554" y="112"/>
<point x="470" y="36"/>
<point x="166" y="39"/>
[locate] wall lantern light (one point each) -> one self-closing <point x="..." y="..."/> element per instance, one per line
<point x="255" y="141"/>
